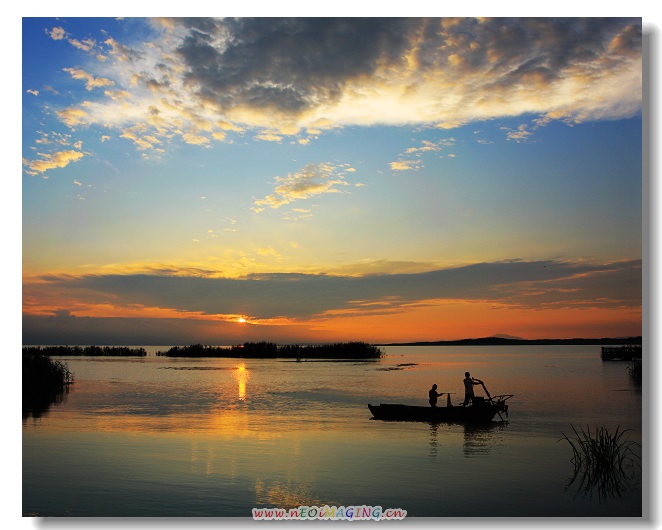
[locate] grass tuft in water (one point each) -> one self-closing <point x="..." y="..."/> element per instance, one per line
<point x="603" y="461"/>
<point x="45" y="381"/>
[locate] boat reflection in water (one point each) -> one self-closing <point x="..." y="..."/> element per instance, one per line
<point x="479" y="439"/>
<point x="434" y="443"/>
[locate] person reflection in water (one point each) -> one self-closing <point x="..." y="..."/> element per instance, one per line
<point x="434" y="395"/>
<point x="469" y="383"/>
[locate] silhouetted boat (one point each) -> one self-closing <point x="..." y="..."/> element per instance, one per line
<point x="481" y="411"/>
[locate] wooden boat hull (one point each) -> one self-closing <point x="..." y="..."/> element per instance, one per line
<point x="484" y="412"/>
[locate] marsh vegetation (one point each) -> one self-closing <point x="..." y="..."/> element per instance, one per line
<point x="74" y="351"/>
<point x="270" y="350"/>
<point x="603" y="462"/>
<point x="45" y="382"/>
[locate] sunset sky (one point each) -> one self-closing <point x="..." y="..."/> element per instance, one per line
<point x="311" y="180"/>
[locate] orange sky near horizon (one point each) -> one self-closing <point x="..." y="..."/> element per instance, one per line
<point x="459" y="320"/>
<point x="374" y="322"/>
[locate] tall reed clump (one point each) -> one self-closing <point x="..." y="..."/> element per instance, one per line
<point x="45" y="381"/>
<point x="603" y="461"/>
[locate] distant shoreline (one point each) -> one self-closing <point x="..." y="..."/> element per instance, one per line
<point x="500" y="341"/>
<point x="485" y="341"/>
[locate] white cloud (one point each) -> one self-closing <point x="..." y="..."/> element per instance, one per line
<point x="521" y="134"/>
<point x="379" y="71"/>
<point x="57" y="33"/>
<point x="310" y="181"/>
<point x="201" y="80"/>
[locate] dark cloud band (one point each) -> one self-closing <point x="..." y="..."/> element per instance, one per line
<point x="538" y="285"/>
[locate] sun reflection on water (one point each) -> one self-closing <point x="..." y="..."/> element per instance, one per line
<point x="242" y="375"/>
<point x="284" y="493"/>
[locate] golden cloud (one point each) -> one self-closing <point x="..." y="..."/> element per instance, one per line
<point x="54" y="160"/>
<point x="312" y="180"/>
<point x="405" y="165"/>
<point x="91" y="82"/>
<point x="73" y="116"/>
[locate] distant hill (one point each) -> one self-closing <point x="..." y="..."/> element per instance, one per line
<point x="508" y="341"/>
<point x="504" y="336"/>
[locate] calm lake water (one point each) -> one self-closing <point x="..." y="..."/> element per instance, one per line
<point x="164" y="437"/>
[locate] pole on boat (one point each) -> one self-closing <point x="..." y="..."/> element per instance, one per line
<point x="483" y="385"/>
<point x="488" y="396"/>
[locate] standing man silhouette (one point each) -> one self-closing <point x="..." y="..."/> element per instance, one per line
<point x="469" y="383"/>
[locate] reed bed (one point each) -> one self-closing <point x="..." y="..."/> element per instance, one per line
<point x="270" y="350"/>
<point x="603" y="461"/>
<point x="45" y="381"/>
<point x="74" y="351"/>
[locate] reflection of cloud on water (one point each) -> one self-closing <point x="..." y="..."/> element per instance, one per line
<point x="322" y="395"/>
<point x="196" y="368"/>
<point x="284" y="494"/>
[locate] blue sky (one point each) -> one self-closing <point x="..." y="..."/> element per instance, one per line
<point x="161" y="153"/>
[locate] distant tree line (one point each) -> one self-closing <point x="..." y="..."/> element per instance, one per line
<point x="270" y="350"/>
<point x="72" y="351"/>
<point x="501" y="341"/>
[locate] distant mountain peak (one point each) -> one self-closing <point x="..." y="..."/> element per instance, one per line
<point x="504" y="336"/>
